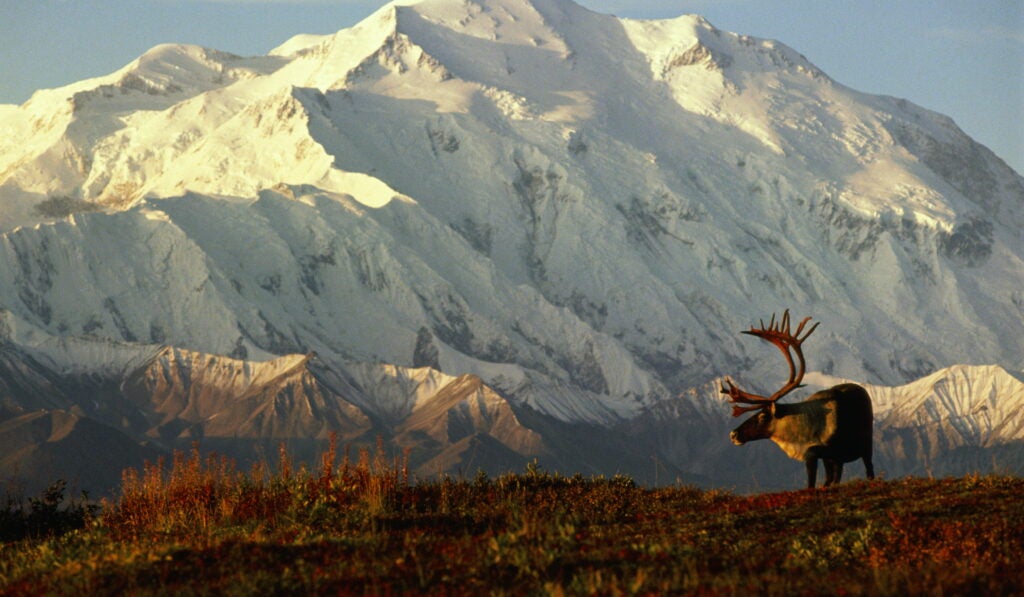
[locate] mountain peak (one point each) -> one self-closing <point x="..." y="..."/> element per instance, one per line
<point x="576" y="209"/>
<point x="571" y="186"/>
<point x="495" y="20"/>
<point x="503" y="23"/>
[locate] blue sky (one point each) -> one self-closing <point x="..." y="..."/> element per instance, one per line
<point x="962" y="58"/>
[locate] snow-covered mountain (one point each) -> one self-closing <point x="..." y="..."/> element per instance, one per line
<point x="580" y="211"/>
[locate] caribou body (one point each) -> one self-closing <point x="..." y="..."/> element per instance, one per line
<point x="833" y="425"/>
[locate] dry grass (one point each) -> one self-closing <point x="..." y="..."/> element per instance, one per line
<point x="202" y="527"/>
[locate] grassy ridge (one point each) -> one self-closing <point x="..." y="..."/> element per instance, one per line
<point x="201" y="527"/>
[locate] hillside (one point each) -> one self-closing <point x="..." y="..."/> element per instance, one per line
<point x="362" y="528"/>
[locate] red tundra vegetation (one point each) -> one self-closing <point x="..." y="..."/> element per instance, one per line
<point x="200" y="526"/>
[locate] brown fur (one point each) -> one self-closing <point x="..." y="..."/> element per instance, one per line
<point x="834" y="425"/>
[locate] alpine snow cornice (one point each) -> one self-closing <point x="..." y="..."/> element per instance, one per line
<point x="580" y="210"/>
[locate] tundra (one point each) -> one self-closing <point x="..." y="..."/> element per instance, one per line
<point x="832" y="425"/>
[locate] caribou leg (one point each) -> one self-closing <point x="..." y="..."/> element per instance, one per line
<point x="812" y="471"/>
<point x="833" y="471"/>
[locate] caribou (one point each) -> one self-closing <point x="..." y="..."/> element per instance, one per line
<point x="832" y="425"/>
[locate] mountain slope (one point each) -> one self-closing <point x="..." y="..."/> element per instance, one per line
<point x="128" y="403"/>
<point x="41" y="447"/>
<point x="578" y="210"/>
<point x="148" y="401"/>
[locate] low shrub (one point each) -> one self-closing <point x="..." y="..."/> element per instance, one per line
<point x="44" y="516"/>
<point x="201" y="526"/>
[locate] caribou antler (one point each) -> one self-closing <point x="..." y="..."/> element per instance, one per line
<point x="784" y="339"/>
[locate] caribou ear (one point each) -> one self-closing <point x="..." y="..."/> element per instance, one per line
<point x="771" y="409"/>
